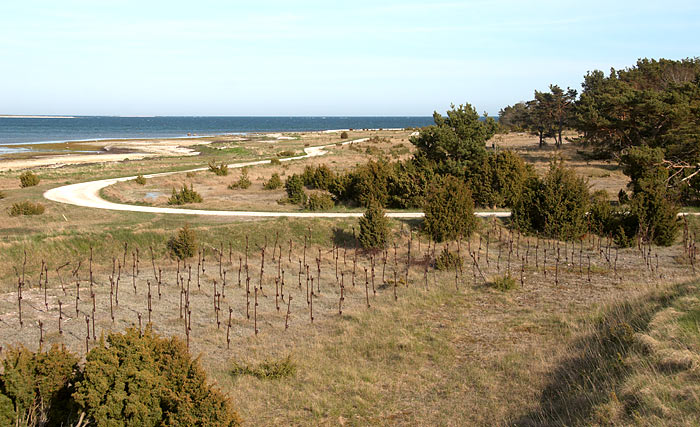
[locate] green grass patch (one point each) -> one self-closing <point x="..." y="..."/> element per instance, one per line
<point x="267" y="370"/>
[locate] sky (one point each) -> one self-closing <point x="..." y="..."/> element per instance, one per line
<point x="344" y="58"/>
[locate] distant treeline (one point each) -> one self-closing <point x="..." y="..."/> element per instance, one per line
<point x="646" y="114"/>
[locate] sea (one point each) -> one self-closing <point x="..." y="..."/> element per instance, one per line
<point x="37" y="130"/>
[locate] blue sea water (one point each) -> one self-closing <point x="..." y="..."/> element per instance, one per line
<point x="14" y="130"/>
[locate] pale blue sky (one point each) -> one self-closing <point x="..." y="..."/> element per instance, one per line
<point x="109" y="57"/>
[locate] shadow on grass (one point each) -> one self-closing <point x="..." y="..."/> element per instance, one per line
<point x="590" y="377"/>
<point x="344" y="239"/>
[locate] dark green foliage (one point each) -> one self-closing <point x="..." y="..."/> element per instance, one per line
<point x="449" y="210"/>
<point x="652" y="205"/>
<point x="374" y="227"/>
<point x="142" y="379"/>
<point x="459" y="137"/>
<point x="499" y="180"/>
<point x="28" y="179"/>
<point x="514" y="118"/>
<point x="219" y="170"/>
<point x="656" y="214"/>
<point x="26" y="208"/>
<point x="140" y="180"/>
<point x="320" y="202"/>
<point x="243" y="182"/>
<point x="273" y="183"/>
<point x="608" y="220"/>
<point x="36" y="387"/>
<point x="320" y="177"/>
<point x="343" y="135"/>
<point x="184" y="244"/>
<point x="368" y="183"/>
<point x="267" y="370"/>
<point x="184" y="196"/>
<point x="295" y="189"/>
<point x="448" y="260"/>
<point x="287" y="153"/>
<point x="554" y="206"/>
<point x="503" y="283"/>
<point x="655" y="104"/>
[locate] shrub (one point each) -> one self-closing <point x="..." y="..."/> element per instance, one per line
<point x="449" y="210"/>
<point x="499" y="180"/>
<point x="267" y="370"/>
<point x="28" y="179"/>
<point x="286" y="153"/>
<point x="2" y="195"/>
<point x="140" y="180"/>
<point x="319" y="202"/>
<point x="243" y="182"/>
<point x="136" y="379"/>
<point x="190" y="174"/>
<point x="185" y="195"/>
<point x="343" y="135"/>
<point x="220" y="169"/>
<point x="184" y="244"/>
<point x="374" y="227"/>
<point x="37" y="386"/>
<point x="448" y="260"/>
<point x="295" y="189"/>
<point x="656" y="214"/>
<point x="142" y="379"/>
<point x="273" y="183"/>
<point x="555" y="205"/>
<point x="503" y="283"/>
<point x="26" y="208"/>
<point x="275" y="162"/>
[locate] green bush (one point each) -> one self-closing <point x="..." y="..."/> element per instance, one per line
<point x="554" y="206"/>
<point x="273" y="183"/>
<point x="220" y="169"/>
<point x="267" y="370"/>
<point x="184" y="196"/>
<point x="656" y="213"/>
<point x="448" y="260"/>
<point x="286" y="153"/>
<point x="243" y="182"/>
<point x="28" y="179"/>
<point x="374" y="227"/>
<point x="142" y="379"/>
<point x="499" y="180"/>
<point x="503" y="283"/>
<point x="275" y="162"/>
<point x="320" y="202"/>
<point x="37" y="386"/>
<point x="449" y="210"/>
<point x="137" y="379"/>
<point x="26" y="208"/>
<point x="295" y="189"/>
<point x="140" y="180"/>
<point x="343" y="135"/>
<point x="184" y="244"/>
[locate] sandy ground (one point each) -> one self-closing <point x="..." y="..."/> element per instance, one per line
<point x="114" y="151"/>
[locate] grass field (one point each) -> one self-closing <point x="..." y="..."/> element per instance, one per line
<point x="613" y="340"/>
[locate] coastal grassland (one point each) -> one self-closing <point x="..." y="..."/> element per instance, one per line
<point x="449" y="351"/>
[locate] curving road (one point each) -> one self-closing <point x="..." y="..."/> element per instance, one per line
<point x="87" y="194"/>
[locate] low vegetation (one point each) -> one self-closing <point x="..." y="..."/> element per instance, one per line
<point x="243" y="181"/>
<point x="218" y="170"/>
<point x="266" y="370"/>
<point x="273" y="183"/>
<point x="140" y="180"/>
<point x="374" y="227"/>
<point x="28" y="179"/>
<point x="134" y="378"/>
<point x="184" y="244"/>
<point x="184" y="196"/>
<point x="319" y="202"/>
<point x="26" y="208"/>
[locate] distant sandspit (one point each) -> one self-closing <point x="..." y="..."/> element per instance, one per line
<point x="11" y="116"/>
